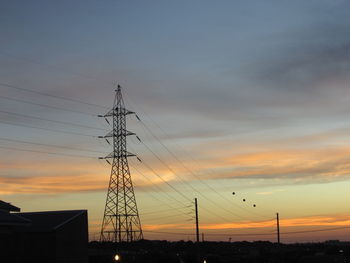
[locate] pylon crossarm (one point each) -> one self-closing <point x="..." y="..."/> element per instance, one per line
<point x="114" y="134"/>
<point x="112" y="155"/>
<point x="117" y="112"/>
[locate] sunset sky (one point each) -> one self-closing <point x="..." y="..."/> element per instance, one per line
<point x="251" y="97"/>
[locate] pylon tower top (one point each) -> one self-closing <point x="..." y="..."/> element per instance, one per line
<point x="121" y="221"/>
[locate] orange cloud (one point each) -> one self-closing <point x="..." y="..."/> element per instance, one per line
<point x="51" y="184"/>
<point x="326" y="164"/>
<point x="61" y="177"/>
<point x="61" y="184"/>
<point x="317" y="221"/>
<point x="56" y="177"/>
<point x="292" y="222"/>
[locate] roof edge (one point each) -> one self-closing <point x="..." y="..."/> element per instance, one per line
<point x="70" y="219"/>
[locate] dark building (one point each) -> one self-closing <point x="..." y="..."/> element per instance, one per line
<point x="9" y="221"/>
<point x="7" y="207"/>
<point x="52" y="236"/>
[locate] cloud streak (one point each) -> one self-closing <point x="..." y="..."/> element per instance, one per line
<point x="301" y="166"/>
<point x="311" y="221"/>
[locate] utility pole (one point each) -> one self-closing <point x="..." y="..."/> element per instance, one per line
<point x="197" y="230"/>
<point x="121" y="222"/>
<point x="278" y="228"/>
<point x="197" y="225"/>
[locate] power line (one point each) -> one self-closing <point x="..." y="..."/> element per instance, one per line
<point x="46" y="106"/>
<point x="53" y="153"/>
<point x="160" y="211"/>
<point x="168" y="216"/>
<point x="55" y="67"/>
<point x="161" y="200"/>
<point x="193" y="174"/>
<point x="234" y="234"/>
<point x="157" y="206"/>
<point x="169" y="233"/>
<point x="315" y="230"/>
<point x="48" y="129"/>
<point x="50" y="95"/>
<point x="164" y="182"/>
<point x="55" y="121"/>
<point x="205" y="197"/>
<point x="208" y="234"/>
<point x="184" y="182"/>
<point x="210" y="211"/>
<point x="167" y="183"/>
<point x="167" y="166"/>
<point x="188" y="169"/>
<point x="49" y="145"/>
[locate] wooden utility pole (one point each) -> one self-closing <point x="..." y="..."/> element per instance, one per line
<point x="197" y="227"/>
<point x="197" y="230"/>
<point x="278" y="229"/>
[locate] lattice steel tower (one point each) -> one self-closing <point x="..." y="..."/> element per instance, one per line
<point x="121" y="221"/>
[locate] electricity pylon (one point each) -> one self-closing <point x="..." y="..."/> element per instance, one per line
<point x="121" y="221"/>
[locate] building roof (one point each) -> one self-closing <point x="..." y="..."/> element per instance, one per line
<point x="50" y="220"/>
<point x="10" y="219"/>
<point x="8" y="207"/>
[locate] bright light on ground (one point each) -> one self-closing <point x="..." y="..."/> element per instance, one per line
<point x="116" y="257"/>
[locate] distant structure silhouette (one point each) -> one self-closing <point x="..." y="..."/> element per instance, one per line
<point x="41" y="237"/>
<point x="121" y="222"/>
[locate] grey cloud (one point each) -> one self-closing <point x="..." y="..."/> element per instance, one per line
<point x="306" y="58"/>
<point x="286" y="78"/>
